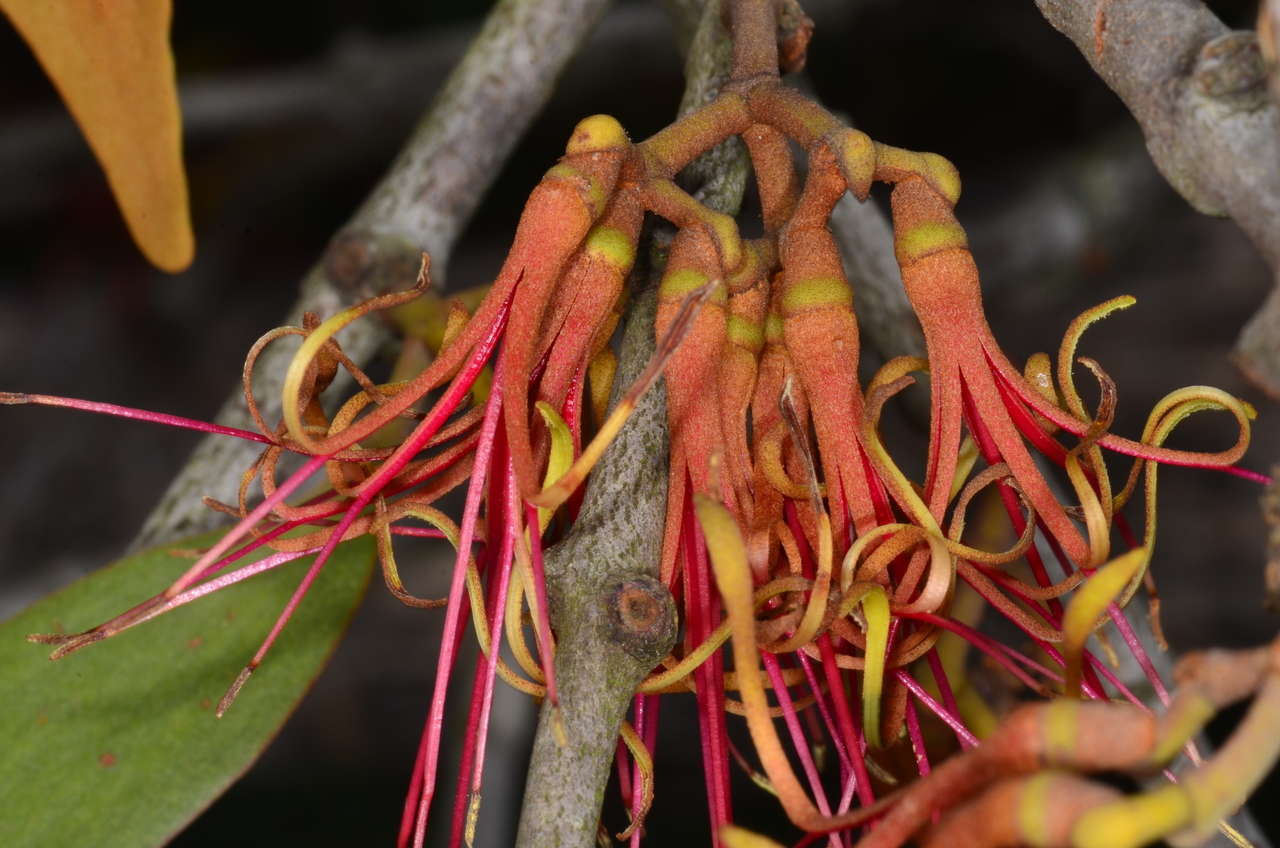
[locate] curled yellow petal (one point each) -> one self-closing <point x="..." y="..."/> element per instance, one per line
<point x="849" y="567"/>
<point x="558" y="492"/>
<point x="381" y="530"/>
<point x="317" y="338"/>
<point x="881" y="389"/>
<point x="728" y="555"/>
<point x="817" y="606"/>
<point x="940" y="579"/>
<point x="513" y="624"/>
<point x="644" y="763"/>
<point x="875" y="613"/>
<point x="966" y="459"/>
<point x="475" y="590"/>
<point x="561" y="457"/>
<point x="1088" y="605"/>
<point x="1172" y="409"/>
<point x="1067" y="351"/>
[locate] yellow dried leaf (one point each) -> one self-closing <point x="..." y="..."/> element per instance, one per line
<point x="112" y="65"/>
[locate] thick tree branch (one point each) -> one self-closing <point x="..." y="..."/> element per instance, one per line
<point x="1199" y="93"/>
<point x="609" y="562"/>
<point x="614" y="620"/>
<point x="421" y="203"/>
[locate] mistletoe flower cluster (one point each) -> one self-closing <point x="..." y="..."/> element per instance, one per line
<point x="790" y="529"/>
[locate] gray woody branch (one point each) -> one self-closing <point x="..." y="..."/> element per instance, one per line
<point x="614" y="620"/>
<point x="421" y="203"/>
<point x="1198" y="90"/>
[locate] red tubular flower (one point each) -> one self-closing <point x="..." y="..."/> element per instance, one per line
<point x="967" y="367"/>
<point x="812" y="551"/>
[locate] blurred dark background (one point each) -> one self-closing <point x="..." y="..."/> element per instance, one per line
<point x="293" y="111"/>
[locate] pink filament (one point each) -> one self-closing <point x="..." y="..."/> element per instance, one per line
<point x="951" y="719"/>
<point x="456" y="609"/>
<point x="145" y="415"/>
<point x="542" y="623"/>
<point x="798" y="741"/>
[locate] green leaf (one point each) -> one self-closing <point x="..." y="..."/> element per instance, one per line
<point x="117" y="744"/>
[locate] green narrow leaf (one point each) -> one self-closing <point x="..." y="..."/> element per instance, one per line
<point x="117" y="744"/>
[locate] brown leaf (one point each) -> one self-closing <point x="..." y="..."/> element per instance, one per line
<point x="112" y="65"/>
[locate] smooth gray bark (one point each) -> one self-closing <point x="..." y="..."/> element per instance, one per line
<point x="614" y="620"/>
<point x="1199" y="92"/>
<point x="616" y="540"/>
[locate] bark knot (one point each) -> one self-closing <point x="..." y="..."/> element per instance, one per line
<point x="1230" y="70"/>
<point x="642" y="618"/>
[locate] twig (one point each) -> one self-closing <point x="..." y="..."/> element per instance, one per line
<point x="1199" y="93"/>
<point x="421" y="203"/>
<point x="609" y="562"/>
<point x="613" y="619"/>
